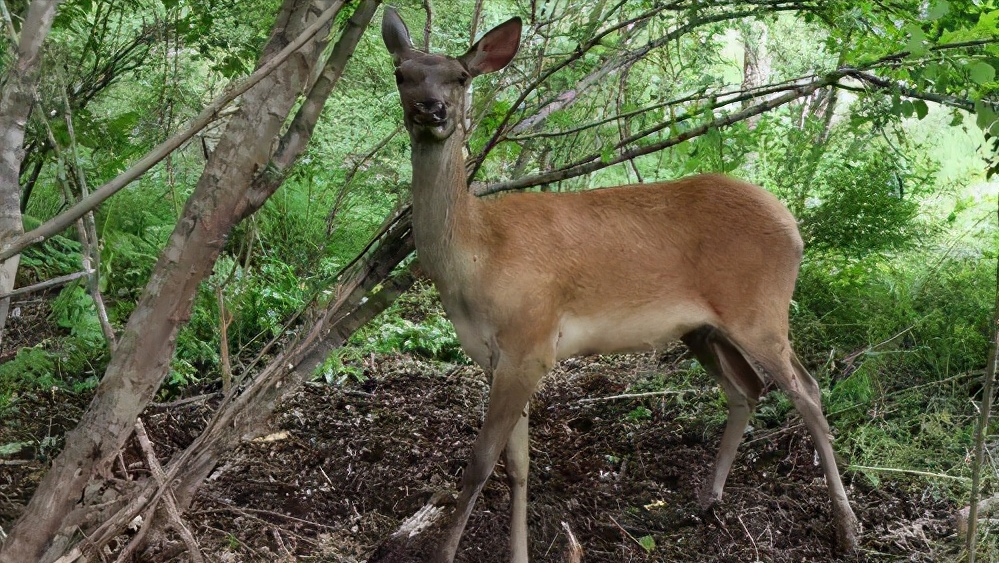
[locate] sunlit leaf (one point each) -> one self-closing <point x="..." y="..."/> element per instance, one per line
<point x="982" y="72"/>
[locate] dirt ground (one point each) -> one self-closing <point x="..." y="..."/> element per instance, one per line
<point x="345" y="465"/>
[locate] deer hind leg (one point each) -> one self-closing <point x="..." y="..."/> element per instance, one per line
<point x="774" y="358"/>
<point x="514" y="380"/>
<point x="742" y="388"/>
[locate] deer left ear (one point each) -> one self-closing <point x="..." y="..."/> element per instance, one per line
<point x="495" y="50"/>
<point x="395" y="35"/>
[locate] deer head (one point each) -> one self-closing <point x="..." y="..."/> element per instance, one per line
<point x="433" y="87"/>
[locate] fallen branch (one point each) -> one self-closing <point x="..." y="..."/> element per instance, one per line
<point x="573" y="551"/>
<point x="635" y="395"/>
<point x="404" y="539"/>
<point x="47" y="284"/>
<point x="908" y="472"/>
<point x="176" y="521"/>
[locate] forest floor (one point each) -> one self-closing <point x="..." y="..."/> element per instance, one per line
<point x="345" y="465"/>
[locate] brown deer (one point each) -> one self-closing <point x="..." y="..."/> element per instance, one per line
<point x="529" y="279"/>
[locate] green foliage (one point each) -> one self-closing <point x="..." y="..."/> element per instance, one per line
<point x="32" y="367"/>
<point x="861" y="206"/>
<point x="639" y="414"/>
<point x="70" y="360"/>
<point x="57" y="256"/>
<point x="901" y="343"/>
<point x="414" y="324"/>
<point x="74" y="310"/>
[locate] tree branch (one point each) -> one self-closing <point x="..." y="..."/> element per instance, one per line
<point x="594" y="162"/>
<point x="880" y="83"/>
<point x="60" y="222"/>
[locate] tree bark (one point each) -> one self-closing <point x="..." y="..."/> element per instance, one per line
<point x="142" y="359"/>
<point x="15" y="106"/>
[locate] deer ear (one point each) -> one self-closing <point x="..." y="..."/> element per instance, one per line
<point x="495" y="50"/>
<point x="395" y="35"/>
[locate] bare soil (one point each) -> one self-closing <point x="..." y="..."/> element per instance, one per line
<point x="345" y="465"/>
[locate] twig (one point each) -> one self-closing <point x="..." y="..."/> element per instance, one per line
<point x="573" y="551"/>
<point x="194" y="552"/>
<point x="429" y="9"/>
<point x="752" y="540"/>
<point x="596" y="162"/>
<point x="280" y="541"/>
<point x="635" y="395"/>
<point x="854" y="467"/>
<point x="49" y="283"/>
<point x="88" y="232"/>
<point x="345" y="187"/>
<point x="181" y="402"/>
<point x="62" y="221"/>
<point x="225" y="319"/>
<point x="474" y="29"/>
<point x="626" y="532"/>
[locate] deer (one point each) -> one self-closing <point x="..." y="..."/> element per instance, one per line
<point x="532" y="278"/>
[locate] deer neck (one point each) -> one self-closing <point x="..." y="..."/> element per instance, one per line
<point x="444" y="210"/>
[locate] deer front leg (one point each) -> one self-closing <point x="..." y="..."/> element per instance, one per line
<point x="513" y="383"/>
<point x="517" y="455"/>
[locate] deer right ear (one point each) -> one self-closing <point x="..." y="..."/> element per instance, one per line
<point x="395" y="35"/>
<point x="495" y="50"/>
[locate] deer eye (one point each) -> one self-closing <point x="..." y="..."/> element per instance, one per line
<point x="463" y="78"/>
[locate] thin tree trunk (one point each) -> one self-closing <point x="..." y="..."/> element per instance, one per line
<point x="142" y="359"/>
<point x="15" y="105"/>
<point x="756" y="61"/>
<point x="982" y="430"/>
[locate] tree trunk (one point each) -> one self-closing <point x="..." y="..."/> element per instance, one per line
<point x="756" y="61"/>
<point x="363" y="290"/>
<point x="15" y="106"/>
<point x="141" y="361"/>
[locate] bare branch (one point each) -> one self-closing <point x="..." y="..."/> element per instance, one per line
<point x="617" y="63"/>
<point x="594" y="162"/>
<point x="47" y="284"/>
<point x="429" y="9"/>
<point x="580" y="51"/>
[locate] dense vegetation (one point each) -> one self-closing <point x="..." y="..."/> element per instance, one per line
<point x="886" y="162"/>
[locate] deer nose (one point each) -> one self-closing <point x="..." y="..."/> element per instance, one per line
<point x="430" y="111"/>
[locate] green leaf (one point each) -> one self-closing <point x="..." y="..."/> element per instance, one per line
<point x="982" y="72"/>
<point x="921" y="108"/>
<point x="916" y="46"/>
<point x="938" y="9"/>
<point x="648" y="543"/>
<point x="907" y="108"/>
<point x="607" y="153"/>
<point x="985" y="115"/>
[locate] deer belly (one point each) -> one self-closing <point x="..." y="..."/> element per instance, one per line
<point x="626" y="331"/>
